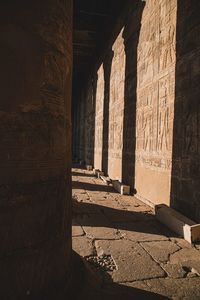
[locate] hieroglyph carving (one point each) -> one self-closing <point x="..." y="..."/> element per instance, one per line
<point x="155" y="89"/>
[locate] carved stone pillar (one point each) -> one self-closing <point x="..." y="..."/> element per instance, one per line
<point x="35" y="150"/>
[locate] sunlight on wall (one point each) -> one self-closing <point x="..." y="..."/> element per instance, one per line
<point x="99" y="120"/>
<point x="116" y="109"/>
<point x="155" y="100"/>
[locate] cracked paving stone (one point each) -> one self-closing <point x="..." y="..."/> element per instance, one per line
<point x="78" y="192"/>
<point x="82" y="198"/>
<point x="131" y="203"/>
<point x="160" y="250"/>
<point x="133" y="262"/>
<point x="181" y="242"/>
<point x="186" y="288"/>
<point x="141" y="231"/>
<point x="77" y="230"/>
<point x="98" y="195"/>
<point x="189" y="258"/>
<point x="107" y="203"/>
<point x="98" y="227"/>
<point x="174" y="270"/>
<point x="121" y="215"/>
<point x="83" y="246"/>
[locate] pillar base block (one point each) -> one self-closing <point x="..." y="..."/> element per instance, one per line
<point x="178" y="223"/>
<point x="121" y="188"/>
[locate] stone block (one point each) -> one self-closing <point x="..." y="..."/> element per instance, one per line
<point x="192" y="233"/>
<point x="178" y="223"/>
<point x="121" y="188"/>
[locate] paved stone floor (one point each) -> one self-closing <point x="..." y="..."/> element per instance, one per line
<point x="128" y="253"/>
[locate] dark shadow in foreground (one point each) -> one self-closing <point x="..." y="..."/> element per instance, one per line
<point x="94" y="287"/>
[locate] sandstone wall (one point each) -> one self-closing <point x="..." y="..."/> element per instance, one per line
<point x="116" y="109"/>
<point x="150" y="106"/>
<point x="185" y="182"/>
<point x="156" y="59"/>
<point x="35" y="147"/>
<point x="98" y="141"/>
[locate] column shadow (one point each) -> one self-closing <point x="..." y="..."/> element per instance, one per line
<point x="107" y="71"/>
<point x="131" y="38"/>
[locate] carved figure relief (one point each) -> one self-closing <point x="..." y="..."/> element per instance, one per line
<point x="167" y="56"/>
<point x="116" y="105"/>
<point x="155" y="89"/>
<point x="163" y="116"/>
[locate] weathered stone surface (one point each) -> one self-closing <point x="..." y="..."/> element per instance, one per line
<point x="185" y="255"/>
<point x="101" y="232"/>
<point x="98" y="141"/>
<point x="77" y="230"/>
<point x="83" y="246"/>
<point x="116" y="108"/>
<point x="160" y="250"/>
<point x="176" y="289"/>
<point x="174" y="270"/>
<point x="135" y="266"/>
<point x="133" y="263"/>
<point x="155" y="98"/>
<point x="185" y="187"/>
<point x="149" y="99"/>
<point x="188" y="258"/>
<point x="35" y="151"/>
<point x="142" y="231"/>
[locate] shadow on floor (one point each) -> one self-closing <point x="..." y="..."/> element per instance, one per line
<point x="96" y="288"/>
<point x="93" y="215"/>
<point x="92" y="187"/>
<point x="82" y="174"/>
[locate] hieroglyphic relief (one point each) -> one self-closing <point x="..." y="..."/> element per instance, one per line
<point x="190" y="119"/>
<point x="145" y="112"/>
<point x="155" y="91"/>
<point x="167" y="53"/>
<point x="167" y="34"/>
<point x="116" y="107"/>
<point x="148" y="51"/>
<point x="99" y="119"/>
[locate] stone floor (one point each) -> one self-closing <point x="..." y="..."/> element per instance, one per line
<point x="129" y="254"/>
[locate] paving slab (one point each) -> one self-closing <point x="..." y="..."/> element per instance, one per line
<point x="77" y="229"/>
<point x="174" y="270"/>
<point x="141" y="231"/>
<point x="83" y="246"/>
<point x="121" y="215"/>
<point x="160" y="250"/>
<point x="151" y="261"/>
<point x="187" y="288"/>
<point x="132" y="262"/>
<point x="98" y="227"/>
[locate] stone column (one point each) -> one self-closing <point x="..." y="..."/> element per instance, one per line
<point x="35" y="147"/>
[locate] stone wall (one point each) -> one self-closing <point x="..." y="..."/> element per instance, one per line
<point x="99" y="107"/>
<point x="150" y="106"/>
<point x="116" y="109"/>
<point x="35" y="151"/>
<point x="155" y="100"/>
<point x="185" y="187"/>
